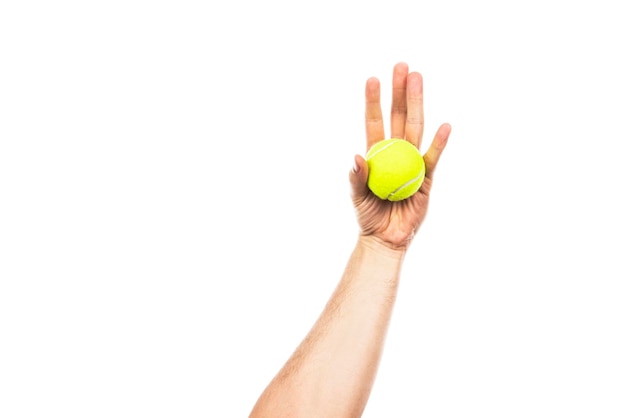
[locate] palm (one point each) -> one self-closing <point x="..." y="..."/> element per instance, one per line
<point x="395" y="223"/>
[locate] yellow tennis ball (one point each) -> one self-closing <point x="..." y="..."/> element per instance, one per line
<point x="396" y="169"/>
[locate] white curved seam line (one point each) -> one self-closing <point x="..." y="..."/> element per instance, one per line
<point x="408" y="183"/>
<point x="381" y="149"/>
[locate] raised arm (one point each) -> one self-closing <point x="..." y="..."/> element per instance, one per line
<point x="331" y="373"/>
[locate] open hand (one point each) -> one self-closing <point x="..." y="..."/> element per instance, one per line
<point x="395" y="223"/>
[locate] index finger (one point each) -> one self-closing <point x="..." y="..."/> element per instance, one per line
<point x="374" y="127"/>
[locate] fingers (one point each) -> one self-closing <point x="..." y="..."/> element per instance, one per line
<point x="436" y="148"/>
<point x="414" y="128"/>
<point x="407" y="107"/>
<point x="374" y="128"/>
<point x="398" y="100"/>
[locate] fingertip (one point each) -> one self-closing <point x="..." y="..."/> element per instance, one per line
<point x="372" y="81"/>
<point x="372" y="85"/>
<point x="401" y="66"/>
<point x="436" y="148"/>
<point x="415" y="77"/>
<point x="443" y="133"/>
<point x="359" y="171"/>
<point x="446" y="128"/>
<point x="356" y="167"/>
<point x="360" y="165"/>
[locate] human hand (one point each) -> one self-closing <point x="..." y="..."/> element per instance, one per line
<point x="395" y="223"/>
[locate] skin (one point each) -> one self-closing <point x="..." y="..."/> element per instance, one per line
<point x="332" y="371"/>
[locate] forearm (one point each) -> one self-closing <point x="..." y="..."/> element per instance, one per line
<point x="332" y="372"/>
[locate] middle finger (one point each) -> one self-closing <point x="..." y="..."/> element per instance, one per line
<point x="398" y="100"/>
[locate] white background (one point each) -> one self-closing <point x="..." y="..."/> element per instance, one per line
<point x="174" y="203"/>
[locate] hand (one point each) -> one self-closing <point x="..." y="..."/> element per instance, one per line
<point x="395" y="223"/>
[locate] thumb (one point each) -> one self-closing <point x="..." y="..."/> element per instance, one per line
<point x="358" y="178"/>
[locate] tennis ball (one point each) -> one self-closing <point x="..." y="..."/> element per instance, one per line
<point x="396" y="169"/>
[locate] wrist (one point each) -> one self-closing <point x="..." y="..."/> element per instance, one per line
<point x="382" y="248"/>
